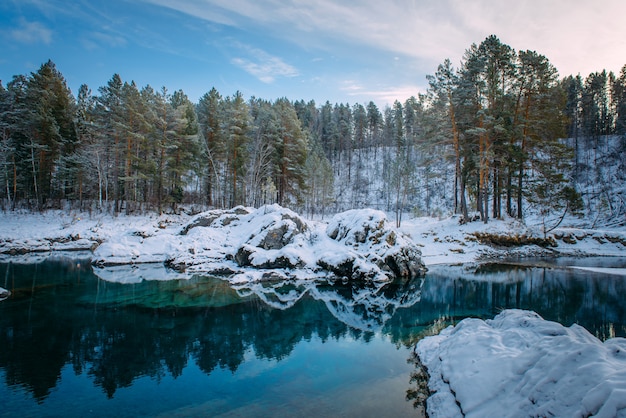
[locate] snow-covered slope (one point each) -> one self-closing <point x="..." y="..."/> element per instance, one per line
<point x="521" y="365"/>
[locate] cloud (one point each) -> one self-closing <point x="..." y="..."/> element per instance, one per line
<point x="574" y="34"/>
<point x="203" y="9"/>
<point x="31" y="33"/>
<point x="382" y="96"/>
<point x="95" y="40"/>
<point x="262" y="65"/>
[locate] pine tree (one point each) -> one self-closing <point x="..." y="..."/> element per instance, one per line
<point x="51" y="130"/>
<point x="261" y="170"/>
<point x="320" y="180"/>
<point x="184" y="147"/>
<point x="109" y="117"/>
<point x="7" y="149"/>
<point x="237" y="125"/>
<point x="290" y="152"/>
<point x="539" y="117"/>
<point x="443" y="87"/>
<point x="619" y="94"/>
<point x="484" y="84"/>
<point x="209" y="114"/>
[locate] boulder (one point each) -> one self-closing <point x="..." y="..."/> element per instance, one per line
<point x="370" y="233"/>
<point x="278" y="234"/>
<point x="275" y="229"/>
<point x="245" y="257"/>
<point x="344" y="268"/>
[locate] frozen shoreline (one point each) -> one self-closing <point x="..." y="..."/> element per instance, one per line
<point x="244" y="244"/>
<point x="153" y="239"/>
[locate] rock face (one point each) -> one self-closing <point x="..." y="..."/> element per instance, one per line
<point x="275" y="228"/>
<point x="370" y="234"/>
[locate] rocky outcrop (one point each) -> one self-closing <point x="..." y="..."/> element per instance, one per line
<point x="275" y="228"/>
<point x="255" y="243"/>
<point x="370" y="234"/>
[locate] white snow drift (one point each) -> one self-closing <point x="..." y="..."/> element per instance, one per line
<point x="521" y="365"/>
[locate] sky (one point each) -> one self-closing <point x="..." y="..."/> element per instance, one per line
<point x="342" y="51"/>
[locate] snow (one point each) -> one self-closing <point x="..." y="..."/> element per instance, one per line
<point x="24" y="232"/>
<point x="135" y="273"/>
<point x="274" y="239"/>
<point x="123" y="239"/>
<point x="446" y="241"/>
<point x="518" y="364"/>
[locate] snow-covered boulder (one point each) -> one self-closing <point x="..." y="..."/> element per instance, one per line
<point x="132" y="247"/>
<point x="4" y="294"/>
<point x="276" y="240"/>
<point x="368" y="232"/>
<point x="221" y="241"/>
<point x="518" y="364"/>
<point x="206" y="219"/>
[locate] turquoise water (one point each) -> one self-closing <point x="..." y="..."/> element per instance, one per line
<point x="72" y="344"/>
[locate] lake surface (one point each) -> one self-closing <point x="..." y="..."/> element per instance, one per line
<point x="72" y="344"/>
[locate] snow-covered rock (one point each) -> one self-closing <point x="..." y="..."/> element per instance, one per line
<point x="205" y="219"/>
<point x="368" y="232"/>
<point x="359" y="244"/>
<point x="275" y="242"/>
<point x="521" y="365"/>
<point x="4" y="294"/>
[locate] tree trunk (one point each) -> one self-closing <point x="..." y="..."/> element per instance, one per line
<point x="457" y="160"/>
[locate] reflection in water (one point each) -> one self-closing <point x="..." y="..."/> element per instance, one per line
<point x="60" y="314"/>
<point x="363" y="306"/>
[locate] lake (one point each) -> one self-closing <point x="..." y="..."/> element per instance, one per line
<point x="72" y="344"/>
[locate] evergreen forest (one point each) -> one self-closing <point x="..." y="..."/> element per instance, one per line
<point x="502" y="134"/>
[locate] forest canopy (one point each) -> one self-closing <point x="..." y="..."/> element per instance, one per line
<point x="501" y="135"/>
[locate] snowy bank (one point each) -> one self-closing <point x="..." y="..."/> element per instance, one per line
<point x="521" y="365"/>
<point x="55" y="231"/>
<point x="274" y="242"/>
<point x="447" y="241"/>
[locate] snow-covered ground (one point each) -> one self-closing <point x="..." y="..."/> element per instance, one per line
<point x="244" y="244"/>
<point x="152" y="238"/>
<point x="518" y="364"/>
<point x="445" y="241"/>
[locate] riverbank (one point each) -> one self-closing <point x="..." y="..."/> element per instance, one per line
<point x="441" y="241"/>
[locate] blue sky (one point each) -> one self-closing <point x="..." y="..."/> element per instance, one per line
<point x="338" y="50"/>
